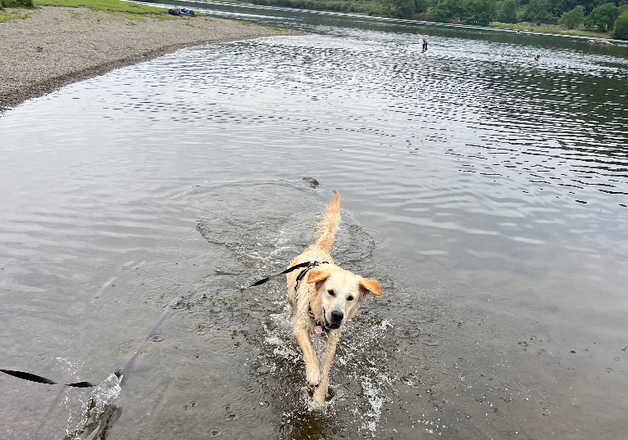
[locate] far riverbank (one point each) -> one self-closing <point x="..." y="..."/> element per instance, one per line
<point x="361" y="9"/>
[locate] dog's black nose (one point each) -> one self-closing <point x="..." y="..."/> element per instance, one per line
<point x="336" y="316"/>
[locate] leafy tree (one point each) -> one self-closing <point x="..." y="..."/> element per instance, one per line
<point x="17" y="3"/>
<point x="421" y="5"/>
<point x="479" y="11"/>
<point x="446" y="10"/>
<point x="621" y="27"/>
<point x="404" y="8"/>
<point x="508" y="11"/>
<point x="572" y="19"/>
<point x="538" y="11"/>
<point x="603" y="17"/>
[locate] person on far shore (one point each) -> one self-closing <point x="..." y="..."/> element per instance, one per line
<point x="424" y="44"/>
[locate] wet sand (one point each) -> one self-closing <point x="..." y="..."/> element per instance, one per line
<point x="56" y="46"/>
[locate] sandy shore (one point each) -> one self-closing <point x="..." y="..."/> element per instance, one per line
<point x="56" y="46"/>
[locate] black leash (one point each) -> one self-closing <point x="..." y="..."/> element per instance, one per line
<point x="39" y="379"/>
<point x="306" y="264"/>
<point x="120" y="372"/>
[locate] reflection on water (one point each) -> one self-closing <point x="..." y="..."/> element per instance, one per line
<point x="486" y="190"/>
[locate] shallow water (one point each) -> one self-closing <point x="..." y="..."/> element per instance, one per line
<point x="487" y="191"/>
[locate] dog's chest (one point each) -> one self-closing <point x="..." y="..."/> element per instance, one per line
<point x="319" y="342"/>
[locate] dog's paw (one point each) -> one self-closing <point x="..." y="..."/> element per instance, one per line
<point x="313" y="374"/>
<point x="319" y="395"/>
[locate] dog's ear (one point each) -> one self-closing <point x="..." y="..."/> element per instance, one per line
<point x="317" y="275"/>
<point x="371" y="285"/>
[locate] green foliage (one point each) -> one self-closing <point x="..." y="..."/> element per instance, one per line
<point x="17" y="3"/>
<point x="442" y="11"/>
<point x="466" y="11"/>
<point x="479" y="12"/>
<point x="404" y="8"/>
<point x="621" y="27"/>
<point x="421" y="5"/>
<point x="538" y="11"/>
<point x="602" y="17"/>
<point x="507" y="11"/>
<point x="572" y="19"/>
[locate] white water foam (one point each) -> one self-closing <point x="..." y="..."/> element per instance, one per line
<point x="375" y="400"/>
<point x="99" y="411"/>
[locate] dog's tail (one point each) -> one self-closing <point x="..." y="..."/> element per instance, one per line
<point x="328" y="225"/>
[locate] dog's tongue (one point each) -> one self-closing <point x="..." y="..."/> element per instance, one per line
<point x="318" y="329"/>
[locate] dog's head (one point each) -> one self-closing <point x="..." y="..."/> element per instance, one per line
<point x="338" y="293"/>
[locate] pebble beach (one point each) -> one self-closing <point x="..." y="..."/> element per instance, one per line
<point x="56" y="45"/>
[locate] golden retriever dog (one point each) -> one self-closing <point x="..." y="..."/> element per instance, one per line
<point x="323" y="296"/>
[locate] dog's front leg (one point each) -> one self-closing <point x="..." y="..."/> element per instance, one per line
<point x="312" y="368"/>
<point x="320" y="393"/>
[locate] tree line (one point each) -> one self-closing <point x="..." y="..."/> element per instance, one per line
<point x="599" y="15"/>
<point x="596" y="15"/>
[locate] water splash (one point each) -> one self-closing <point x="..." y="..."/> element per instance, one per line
<point x="99" y="411"/>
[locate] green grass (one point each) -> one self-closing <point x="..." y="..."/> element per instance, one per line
<point x="548" y="28"/>
<point x="13" y="14"/>
<point x="128" y="9"/>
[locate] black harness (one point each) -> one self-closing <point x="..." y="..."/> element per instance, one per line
<point x="305" y="267"/>
<point x="304" y="272"/>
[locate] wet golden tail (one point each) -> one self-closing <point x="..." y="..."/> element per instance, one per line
<point x="328" y="225"/>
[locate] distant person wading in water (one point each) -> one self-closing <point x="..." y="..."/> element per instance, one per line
<point x="424" y="40"/>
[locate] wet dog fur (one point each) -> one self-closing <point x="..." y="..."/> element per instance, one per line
<point x="327" y="297"/>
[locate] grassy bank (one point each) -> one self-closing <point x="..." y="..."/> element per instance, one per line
<point x="106" y="6"/>
<point x="369" y="7"/>
<point x="128" y="10"/>
<point x="14" y="9"/>
<point x="13" y="14"/>
<point x="548" y="29"/>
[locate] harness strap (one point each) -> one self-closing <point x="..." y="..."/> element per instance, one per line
<point x="307" y="265"/>
<point x="288" y="270"/>
<point x="305" y="271"/>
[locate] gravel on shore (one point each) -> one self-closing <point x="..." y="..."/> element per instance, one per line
<point x="56" y="46"/>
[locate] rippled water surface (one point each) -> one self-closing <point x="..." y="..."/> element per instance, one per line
<point x="488" y="192"/>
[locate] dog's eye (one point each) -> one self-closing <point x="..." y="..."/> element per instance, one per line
<point x="350" y="298"/>
<point x="331" y="293"/>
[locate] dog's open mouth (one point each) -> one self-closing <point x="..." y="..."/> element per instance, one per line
<point x="327" y="325"/>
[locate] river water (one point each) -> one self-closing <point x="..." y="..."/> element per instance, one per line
<point x="487" y="191"/>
